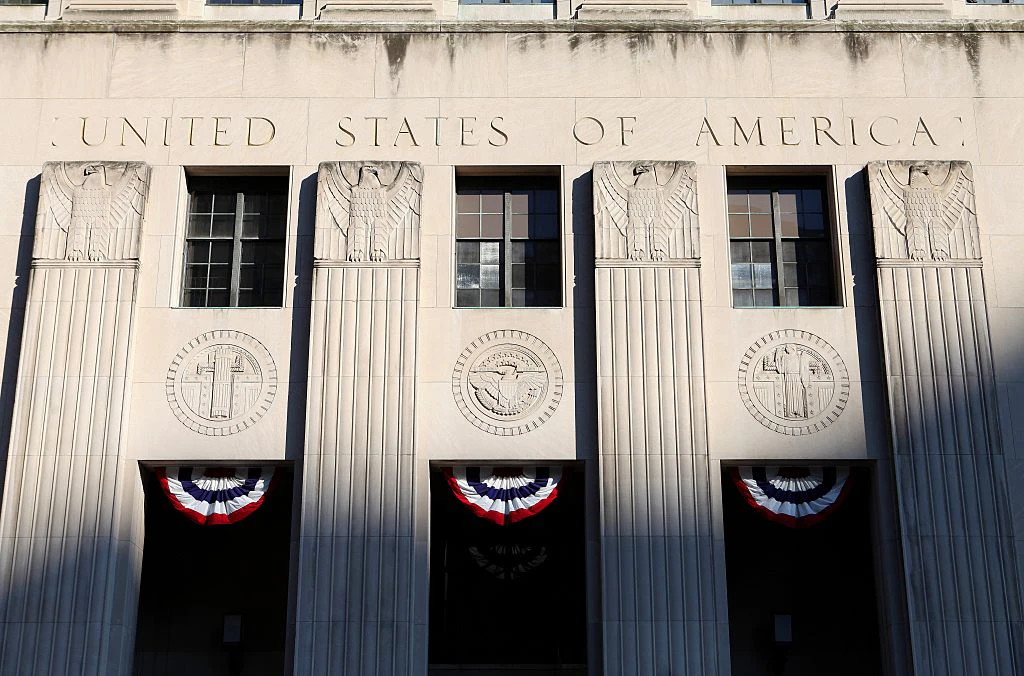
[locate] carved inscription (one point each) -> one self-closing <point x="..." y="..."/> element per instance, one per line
<point x="374" y="206"/>
<point x="90" y="211"/>
<point x="793" y="382"/>
<point x="645" y="211"/>
<point x="924" y="211"/>
<point x="507" y="382"/>
<point x="221" y="383"/>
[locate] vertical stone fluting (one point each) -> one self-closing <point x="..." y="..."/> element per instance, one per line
<point x="955" y="521"/>
<point x="662" y="588"/>
<point x="362" y="588"/>
<point x="72" y="517"/>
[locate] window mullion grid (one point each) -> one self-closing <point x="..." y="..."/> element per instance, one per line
<point x="236" y="249"/>
<point x="780" y="288"/>
<point x="506" y="254"/>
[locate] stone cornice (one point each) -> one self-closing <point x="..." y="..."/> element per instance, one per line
<point x="548" y="26"/>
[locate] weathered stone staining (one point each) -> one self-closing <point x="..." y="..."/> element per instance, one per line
<point x="647" y="378"/>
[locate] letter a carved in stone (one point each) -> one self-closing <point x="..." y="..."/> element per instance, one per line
<point x="91" y="211"/>
<point x="645" y="211"/>
<point x="374" y="206"/>
<point x="924" y="211"/>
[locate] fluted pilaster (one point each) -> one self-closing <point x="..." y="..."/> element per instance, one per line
<point x="72" y="518"/>
<point x="955" y="521"/>
<point x="663" y="594"/>
<point x="362" y="588"/>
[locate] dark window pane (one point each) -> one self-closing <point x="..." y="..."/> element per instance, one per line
<point x="467" y="298"/>
<point x="197" y="252"/>
<point x="764" y="298"/>
<point x="493" y="203"/>
<point x="544" y="227"/>
<point x="520" y="226"/>
<point x="761" y="225"/>
<point x="202" y="202"/>
<point x="761" y="252"/>
<point x="468" y="204"/>
<point x="198" y="225"/>
<point x="742" y="298"/>
<point x="518" y="276"/>
<point x="223" y="226"/>
<point x="519" y="297"/>
<point x="467" y="225"/>
<point x="741" y="276"/>
<point x="467" y="276"/>
<point x="218" y="298"/>
<point x="490" y="298"/>
<point x="737" y="201"/>
<point x="490" y="277"/>
<point x="788" y="200"/>
<point x="467" y="252"/>
<point x="739" y="252"/>
<point x="545" y="201"/>
<point x="812" y="201"/>
<point x="739" y="225"/>
<point x="224" y="203"/>
<point x="195" y="298"/>
<point x="490" y="252"/>
<point x="195" y="277"/>
<point x="760" y="202"/>
<point x="492" y="226"/>
<point x="811" y="224"/>
<point x="220" y="277"/>
<point x="520" y="203"/>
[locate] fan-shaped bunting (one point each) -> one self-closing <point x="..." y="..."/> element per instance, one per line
<point x="505" y="495"/>
<point x="213" y="496"/>
<point x="793" y="496"/>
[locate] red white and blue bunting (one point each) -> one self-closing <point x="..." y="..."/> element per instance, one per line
<point x="793" y="496"/>
<point x="505" y="495"/>
<point x="213" y="496"/>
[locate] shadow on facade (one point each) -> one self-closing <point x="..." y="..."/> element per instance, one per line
<point x="15" y="324"/>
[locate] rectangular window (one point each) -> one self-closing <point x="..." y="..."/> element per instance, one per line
<point x="779" y="242"/>
<point x="507" y="251"/>
<point x="235" y="242"/>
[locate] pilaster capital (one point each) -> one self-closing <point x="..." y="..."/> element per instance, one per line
<point x="645" y="212"/>
<point x="923" y="213"/>
<point x="90" y="212"/>
<point x="368" y="212"/>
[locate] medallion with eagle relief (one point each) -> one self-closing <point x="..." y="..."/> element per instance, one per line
<point x="507" y="382"/>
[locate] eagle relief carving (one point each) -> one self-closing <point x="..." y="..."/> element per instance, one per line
<point x="645" y="211"/>
<point x="924" y="211"/>
<point x="91" y="211"/>
<point x="368" y="211"/>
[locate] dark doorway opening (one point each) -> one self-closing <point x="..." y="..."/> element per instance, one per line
<point x="214" y="599"/>
<point x="814" y="586"/>
<point x="508" y="600"/>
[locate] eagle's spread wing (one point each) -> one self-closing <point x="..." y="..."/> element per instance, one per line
<point x="59" y="193"/>
<point x="890" y="198"/>
<point x="610" y="197"/>
<point x="484" y="380"/>
<point x="528" y="382"/>
<point x="680" y="206"/>
<point x="404" y="195"/>
<point x="337" y="191"/>
<point x="958" y="198"/>
<point x="129" y="197"/>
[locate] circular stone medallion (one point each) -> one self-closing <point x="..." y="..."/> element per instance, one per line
<point x="793" y="382"/>
<point x="507" y="382"/>
<point x="221" y="383"/>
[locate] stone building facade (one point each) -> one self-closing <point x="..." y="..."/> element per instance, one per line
<point x="660" y="354"/>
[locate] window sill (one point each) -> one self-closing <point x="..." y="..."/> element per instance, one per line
<point x="22" y="12"/>
<point x="533" y="12"/>
<point x="789" y="307"/>
<point x="251" y="12"/>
